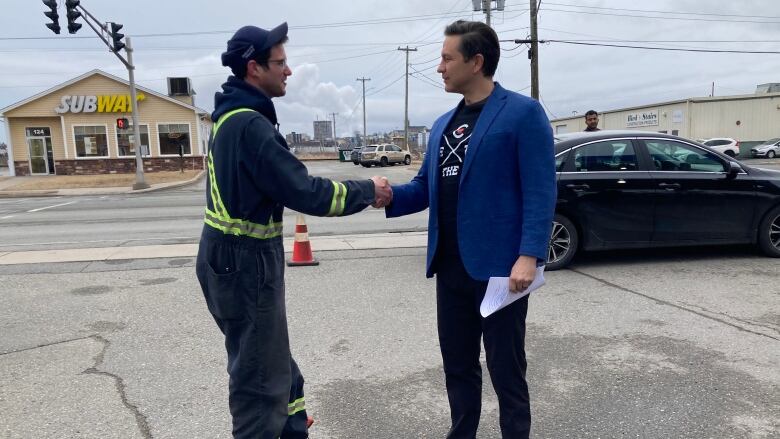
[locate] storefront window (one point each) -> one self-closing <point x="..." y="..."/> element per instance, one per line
<point x="91" y="141"/>
<point x="126" y="143"/>
<point x="172" y="136"/>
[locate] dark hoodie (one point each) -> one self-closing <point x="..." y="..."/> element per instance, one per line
<point x="256" y="174"/>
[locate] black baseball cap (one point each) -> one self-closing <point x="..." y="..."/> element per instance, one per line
<point x="249" y="41"/>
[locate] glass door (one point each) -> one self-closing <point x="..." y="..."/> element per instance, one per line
<point x="39" y="163"/>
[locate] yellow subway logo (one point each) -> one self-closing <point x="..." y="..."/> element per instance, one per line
<point x="97" y="104"/>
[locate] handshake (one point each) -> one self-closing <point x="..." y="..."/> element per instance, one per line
<point x="383" y="193"/>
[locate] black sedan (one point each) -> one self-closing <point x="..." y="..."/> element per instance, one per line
<point x="629" y="189"/>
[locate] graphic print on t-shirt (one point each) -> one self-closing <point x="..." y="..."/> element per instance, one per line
<point x="453" y="152"/>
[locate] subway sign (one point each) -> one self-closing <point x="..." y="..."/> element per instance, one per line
<point x="97" y="104"/>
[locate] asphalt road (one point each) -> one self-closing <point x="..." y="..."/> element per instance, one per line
<point x="659" y="344"/>
<point x="168" y="217"/>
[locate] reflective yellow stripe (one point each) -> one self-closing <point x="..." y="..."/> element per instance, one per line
<point x="296" y="406"/>
<point x="219" y="218"/>
<point x="243" y="228"/>
<point x="339" y="199"/>
<point x="225" y="117"/>
<point x="216" y="199"/>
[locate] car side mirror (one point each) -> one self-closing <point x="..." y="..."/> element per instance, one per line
<point x="734" y="170"/>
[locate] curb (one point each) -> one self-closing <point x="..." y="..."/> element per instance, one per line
<point x="374" y="241"/>
<point x="78" y="192"/>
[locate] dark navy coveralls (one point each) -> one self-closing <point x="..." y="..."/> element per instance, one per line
<point x="252" y="176"/>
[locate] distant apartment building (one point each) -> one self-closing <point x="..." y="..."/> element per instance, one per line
<point x="295" y="138"/>
<point x="323" y="129"/>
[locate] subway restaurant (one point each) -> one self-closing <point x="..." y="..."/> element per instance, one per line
<point x="84" y="126"/>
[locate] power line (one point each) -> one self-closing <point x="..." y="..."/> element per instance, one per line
<point x="545" y="107"/>
<point x="433" y="81"/>
<point x="390" y="20"/>
<point x="660" y="18"/>
<point x="424" y="81"/>
<point x="385" y="87"/>
<point x="425" y="62"/>
<point x="661" y="12"/>
<point x="673" y="49"/>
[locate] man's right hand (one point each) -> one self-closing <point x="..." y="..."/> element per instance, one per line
<point x="383" y="193"/>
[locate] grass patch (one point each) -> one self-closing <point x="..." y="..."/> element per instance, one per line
<point x="98" y="181"/>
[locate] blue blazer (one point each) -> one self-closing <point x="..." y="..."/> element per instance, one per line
<point x="507" y="192"/>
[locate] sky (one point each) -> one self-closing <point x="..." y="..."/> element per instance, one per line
<point x="334" y="42"/>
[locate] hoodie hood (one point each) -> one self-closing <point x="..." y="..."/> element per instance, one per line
<point x="237" y="93"/>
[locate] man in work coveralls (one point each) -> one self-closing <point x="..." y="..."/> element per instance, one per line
<point x="252" y="176"/>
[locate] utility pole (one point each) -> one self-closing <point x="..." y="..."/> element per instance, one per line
<point x="712" y="93"/>
<point x="406" y="98"/>
<point x="533" y="54"/>
<point x="334" y="126"/>
<point x="486" y="6"/>
<point x="363" y="80"/>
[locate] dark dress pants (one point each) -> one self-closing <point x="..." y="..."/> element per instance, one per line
<point x="461" y="327"/>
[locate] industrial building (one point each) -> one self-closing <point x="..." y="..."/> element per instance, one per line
<point x="749" y="119"/>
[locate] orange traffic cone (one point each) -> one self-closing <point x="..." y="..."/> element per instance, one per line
<point x="301" y="247"/>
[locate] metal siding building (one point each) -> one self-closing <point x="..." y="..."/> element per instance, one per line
<point x="747" y="118"/>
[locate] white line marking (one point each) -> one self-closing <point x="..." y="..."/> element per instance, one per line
<point x="50" y="207"/>
<point x="102" y="240"/>
<point x="7" y="216"/>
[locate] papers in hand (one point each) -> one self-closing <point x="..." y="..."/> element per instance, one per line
<point x="498" y="295"/>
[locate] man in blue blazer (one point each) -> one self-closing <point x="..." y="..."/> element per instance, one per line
<point x="489" y="180"/>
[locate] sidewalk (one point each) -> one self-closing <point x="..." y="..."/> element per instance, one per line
<point x="375" y="241"/>
<point x="13" y="181"/>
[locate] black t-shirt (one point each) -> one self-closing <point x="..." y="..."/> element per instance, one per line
<point x="452" y="156"/>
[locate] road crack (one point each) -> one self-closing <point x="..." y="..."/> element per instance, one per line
<point x="140" y="418"/>
<point x="44" y="345"/>
<point x="674" y="305"/>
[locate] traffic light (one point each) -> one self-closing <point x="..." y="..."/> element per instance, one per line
<point x="53" y="15"/>
<point x="116" y="37"/>
<point x="122" y="123"/>
<point x="72" y="14"/>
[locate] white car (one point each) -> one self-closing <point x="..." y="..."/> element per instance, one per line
<point x="769" y="149"/>
<point x="724" y="145"/>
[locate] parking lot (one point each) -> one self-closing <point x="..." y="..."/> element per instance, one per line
<point x="650" y="344"/>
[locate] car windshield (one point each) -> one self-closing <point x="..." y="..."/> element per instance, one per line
<point x="712" y="142"/>
<point x="369" y="149"/>
<point x="771" y="142"/>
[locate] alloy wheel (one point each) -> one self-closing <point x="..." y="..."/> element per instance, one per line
<point x="560" y="243"/>
<point x="774" y="232"/>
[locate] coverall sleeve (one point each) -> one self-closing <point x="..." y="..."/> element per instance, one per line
<point x="287" y="181"/>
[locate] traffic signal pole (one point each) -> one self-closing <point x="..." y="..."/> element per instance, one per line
<point x="117" y="45"/>
<point x="139" y="162"/>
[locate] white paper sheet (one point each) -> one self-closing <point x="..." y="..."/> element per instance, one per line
<point x="498" y="295"/>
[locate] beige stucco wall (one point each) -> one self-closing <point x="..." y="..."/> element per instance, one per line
<point x="152" y="111"/>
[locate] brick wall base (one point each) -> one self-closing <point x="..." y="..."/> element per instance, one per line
<point x="115" y="166"/>
<point x="21" y="168"/>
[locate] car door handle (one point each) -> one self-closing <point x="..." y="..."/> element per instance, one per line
<point x="578" y="187"/>
<point x="670" y="186"/>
